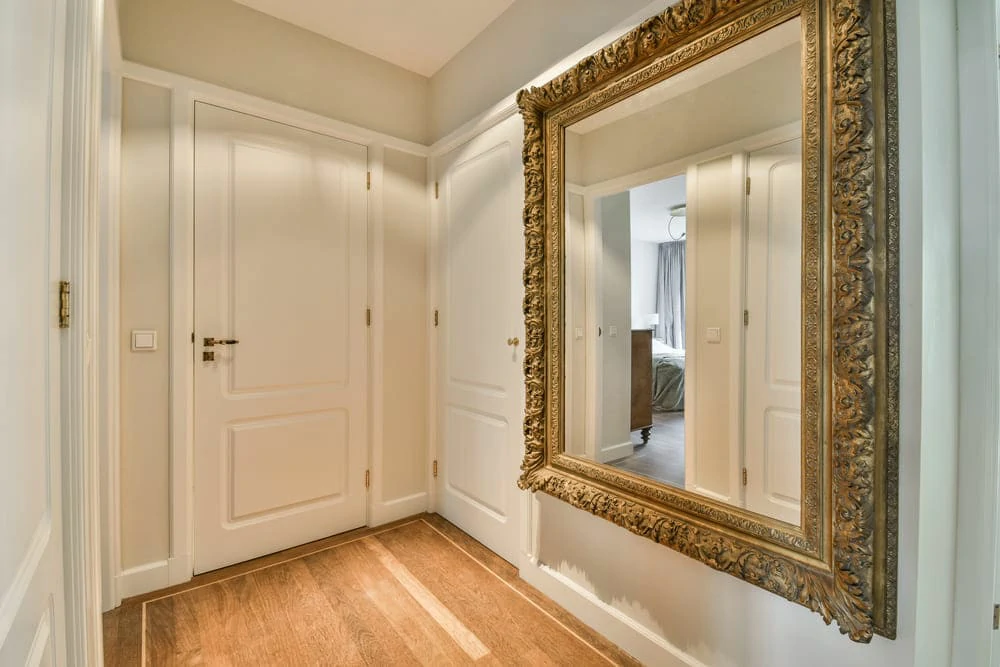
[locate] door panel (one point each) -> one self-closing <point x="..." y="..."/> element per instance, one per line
<point x="482" y="396"/>
<point x="280" y="417"/>
<point x="32" y="35"/>
<point x="773" y="336"/>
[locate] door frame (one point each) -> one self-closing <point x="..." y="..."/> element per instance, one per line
<point x="185" y="92"/>
<point x="84" y="56"/>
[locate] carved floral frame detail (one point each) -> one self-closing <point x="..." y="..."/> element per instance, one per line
<point x="841" y="562"/>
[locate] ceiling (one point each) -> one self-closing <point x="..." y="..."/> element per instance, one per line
<point x="419" y="36"/>
<point x="649" y="207"/>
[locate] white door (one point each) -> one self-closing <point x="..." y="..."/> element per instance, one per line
<point x="32" y="626"/>
<point x="773" y="335"/>
<point x="481" y="408"/>
<point x="280" y="417"/>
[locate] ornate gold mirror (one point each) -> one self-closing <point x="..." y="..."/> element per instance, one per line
<point x="711" y="294"/>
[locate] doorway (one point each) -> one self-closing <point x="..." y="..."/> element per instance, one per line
<point x="280" y="338"/>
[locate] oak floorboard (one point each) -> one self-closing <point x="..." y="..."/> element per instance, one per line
<point x="416" y="592"/>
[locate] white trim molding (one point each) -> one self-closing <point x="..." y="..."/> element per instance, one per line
<point x="80" y="215"/>
<point x="109" y="420"/>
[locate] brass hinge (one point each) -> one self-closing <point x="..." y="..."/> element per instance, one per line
<point x="437" y="190"/>
<point x="996" y="617"/>
<point x="436" y="320"/>
<point x="368" y="478"/>
<point x="746" y="318"/>
<point x="368" y="182"/>
<point x="435" y="467"/>
<point x="64" y="304"/>
<point x="368" y="317"/>
<point x="748" y="185"/>
<point x="744" y="477"/>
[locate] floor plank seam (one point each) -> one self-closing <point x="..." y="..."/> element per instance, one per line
<point x="529" y="600"/>
<point x="144" y="630"/>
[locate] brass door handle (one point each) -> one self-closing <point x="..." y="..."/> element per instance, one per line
<point x="211" y="342"/>
<point x="513" y="342"/>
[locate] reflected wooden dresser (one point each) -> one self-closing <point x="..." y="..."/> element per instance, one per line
<point x="642" y="382"/>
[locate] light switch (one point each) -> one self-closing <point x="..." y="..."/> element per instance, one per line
<point x="578" y="333"/>
<point x="613" y="331"/>
<point x="713" y="335"/>
<point x="143" y="341"/>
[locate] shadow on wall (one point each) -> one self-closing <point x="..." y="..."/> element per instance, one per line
<point x="710" y="618"/>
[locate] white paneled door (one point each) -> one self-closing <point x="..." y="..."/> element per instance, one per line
<point x="480" y="441"/>
<point x="773" y="335"/>
<point x="32" y="626"/>
<point x="280" y="336"/>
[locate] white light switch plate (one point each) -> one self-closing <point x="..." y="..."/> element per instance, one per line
<point x="578" y="333"/>
<point x="613" y="331"/>
<point x="143" y="341"/>
<point x="713" y="335"/>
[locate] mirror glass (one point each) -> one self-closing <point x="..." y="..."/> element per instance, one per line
<point x="683" y="228"/>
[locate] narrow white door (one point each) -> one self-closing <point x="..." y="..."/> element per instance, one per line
<point x="773" y="335"/>
<point x="280" y="416"/>
<point x="481" y="337"/>
<point x="32" y="627"/>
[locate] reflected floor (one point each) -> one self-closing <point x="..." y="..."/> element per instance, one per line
<point x="662" y="458"/>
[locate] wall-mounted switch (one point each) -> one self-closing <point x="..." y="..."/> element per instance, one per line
<point x="578" y="333"/>
<point x="613" y="331"/>
<point x="713" y="335"/>
<point x="143" y="341"/>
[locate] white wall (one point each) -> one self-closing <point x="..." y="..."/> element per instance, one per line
<point x="670" y="610"/>
<point x="769" y="95"/>
<point x="616" y="339"/>
<point x="645" y="257"/>
<point x="713" y="232"/>
<point x="233" y="46"/>
<point x="527" y="38"/>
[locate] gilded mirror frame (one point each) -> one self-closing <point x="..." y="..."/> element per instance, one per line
<point x="841" y="560"/>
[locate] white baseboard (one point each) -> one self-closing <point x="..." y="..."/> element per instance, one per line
<point x="154" y="576"/>
<point x="143" y="579"/>
<point x="633" y="637"/>
<point x="615" y="452"/>
<point x="399" y="508"/>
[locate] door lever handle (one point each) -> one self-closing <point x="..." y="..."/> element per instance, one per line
<point x="210" y="342"/>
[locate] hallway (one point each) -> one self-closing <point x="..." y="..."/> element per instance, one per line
<point x="418" y="591"/>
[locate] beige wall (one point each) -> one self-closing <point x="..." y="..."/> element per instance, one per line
<point x="713" y="230"/>
<point x="616" y="345"/>
<point x="529" y="37"/>
<point x="769" y="96"/>
<point x="404" y="393"/>
<point x="145" y="304"/>
<point x="228" y="44"/>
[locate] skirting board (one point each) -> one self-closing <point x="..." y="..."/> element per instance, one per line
<point x="615" y="452"/>
<point x="154" y="576"/>
<point x="400" y="508"/>
<point x="633" y="637"/>
<point x="144" y="579"/>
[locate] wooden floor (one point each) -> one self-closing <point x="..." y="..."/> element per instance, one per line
<point x="662" y="458"/>
<point x="417" y="592"/>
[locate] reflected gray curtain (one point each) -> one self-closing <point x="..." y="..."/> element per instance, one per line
<point x="671" y="279"/>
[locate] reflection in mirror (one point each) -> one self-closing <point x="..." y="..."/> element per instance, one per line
<point x="683" y="220"/>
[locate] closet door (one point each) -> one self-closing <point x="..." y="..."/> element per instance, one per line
<point x="773" y="333"/>
<point x="481" y="334"/>
<point x="281" y="344"/>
